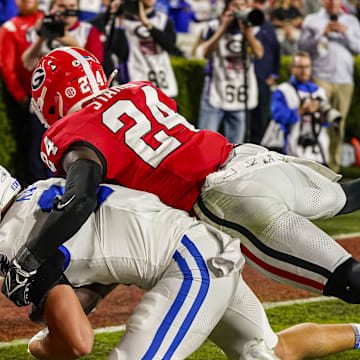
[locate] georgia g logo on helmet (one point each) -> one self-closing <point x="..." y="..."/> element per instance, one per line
<point x="38" y="79"/>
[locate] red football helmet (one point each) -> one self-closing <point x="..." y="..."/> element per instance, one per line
<point x="63" y="80"/>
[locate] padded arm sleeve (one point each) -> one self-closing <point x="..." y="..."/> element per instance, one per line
<point x="70" y="211"/>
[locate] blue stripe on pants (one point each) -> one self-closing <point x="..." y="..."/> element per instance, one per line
<point x="179" y="301"/>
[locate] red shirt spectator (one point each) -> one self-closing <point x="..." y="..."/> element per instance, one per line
<point x="14" y="39"/>
<point x="76" y="33"/>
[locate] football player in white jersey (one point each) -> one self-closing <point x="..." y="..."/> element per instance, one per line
<point x="192" y="273"/>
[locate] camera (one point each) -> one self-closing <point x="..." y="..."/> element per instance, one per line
<point x="250" y="17"/>
<point x="128" y="7"/>
<point x="331" y="115"/>
<point x="53" y="26"/>
<point x="307" y="139"/>
<point x="333" y="17"/>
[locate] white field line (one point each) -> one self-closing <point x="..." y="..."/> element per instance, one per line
<point x="266" y="305"/>
<point x="103" y="330"/>
<point x="110" y="329"/>
<point x="351" y="236"/>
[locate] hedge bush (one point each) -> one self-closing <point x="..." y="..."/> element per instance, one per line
<point x="190" y="77"/>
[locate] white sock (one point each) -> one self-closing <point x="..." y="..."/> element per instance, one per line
<point x="38" y="336"/>
<point x="356" y="328"/>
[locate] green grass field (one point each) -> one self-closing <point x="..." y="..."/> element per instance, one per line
<point x="281" y="317"/>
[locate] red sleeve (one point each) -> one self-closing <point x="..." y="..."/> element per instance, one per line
<point x="8" y="59"/>
<point x="94" y="43"/>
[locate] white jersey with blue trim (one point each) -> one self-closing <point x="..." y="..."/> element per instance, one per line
<point x="130" y="238"/>
<point x="191" y="269"/>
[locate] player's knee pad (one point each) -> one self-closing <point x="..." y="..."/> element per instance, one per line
<point x="344" y="282"/>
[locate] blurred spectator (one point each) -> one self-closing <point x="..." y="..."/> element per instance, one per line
<point x="146" y="38"/>
<point x="162" y="6"/>
<point x="204" y="11"/>
<point x="350" y="6"/>
<point x="107" y="23"/>
<point x="14" y="39"/>
<point x="298" y="4"/>
<point x="229" y="64"/>
<point x="303" y="112"/>
<point x="332" y="38"/>
<point x="287" y="19"/>
<point x="44" y="5"/>
<point x="310" y="6"/>
<point x="70" y="32"/>
<point x="8" y="9"/>
<point x="182" y="14"/>
<point x="266" y="71"/>
<point x="284" y="12"/>
<point x="88" y="9"/>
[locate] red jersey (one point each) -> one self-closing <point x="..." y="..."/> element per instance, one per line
<point x="14" y="40"/>
<point x="144" y="143"/>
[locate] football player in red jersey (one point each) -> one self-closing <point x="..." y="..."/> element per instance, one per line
<point x="132" y="135"/>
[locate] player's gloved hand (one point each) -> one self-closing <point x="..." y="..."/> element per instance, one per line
<point x="19" y="277"/>
<point x="4" y="264"/>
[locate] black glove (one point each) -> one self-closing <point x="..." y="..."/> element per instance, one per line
<point x="20" y="275"/>
<point x="4" y="264"/>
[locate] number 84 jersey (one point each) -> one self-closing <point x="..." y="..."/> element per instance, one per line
<point x="143" y="142"/>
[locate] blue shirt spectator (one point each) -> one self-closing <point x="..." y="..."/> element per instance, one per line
<point x="269" y="64"/>
<point x="182" y="14"/>
<point x="8" y="9"/>
<point x="162" y="6"/>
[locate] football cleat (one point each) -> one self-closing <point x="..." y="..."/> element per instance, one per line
<point x="257" y="350"/>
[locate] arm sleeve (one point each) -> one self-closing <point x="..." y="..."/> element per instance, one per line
<point x="352" y="37"/>
<point x="277" y="54"/>
<point x="280" y="111"/>
<point x="8" y="58"/>
<point x="119" y="44"/>
<point x="165" y="38"/>
<point x="69" y="214"/>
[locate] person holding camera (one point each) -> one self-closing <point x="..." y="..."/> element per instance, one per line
<point x="142" y="39"/>
<point x="303" y="112"/>
<point x="230" y="87"/>
<point x="332" y="37"/>
<point x="14" y="40"/>
<point x="62" y="28"/>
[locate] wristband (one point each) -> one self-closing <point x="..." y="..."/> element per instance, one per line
<point x="357" y="335"/>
